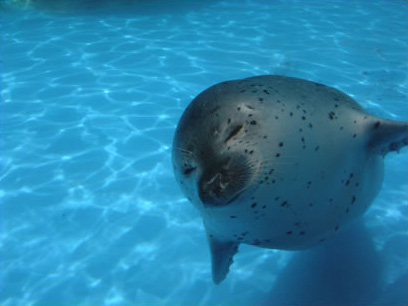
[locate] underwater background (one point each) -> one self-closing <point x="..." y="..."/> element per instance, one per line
<point x="91" y="93"/>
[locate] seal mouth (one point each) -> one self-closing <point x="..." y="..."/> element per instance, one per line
<point x="235" y="197"/>
<point x="218" y="200"/>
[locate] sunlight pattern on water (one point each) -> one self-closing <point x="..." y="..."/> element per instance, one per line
<point x="90" y="211"/>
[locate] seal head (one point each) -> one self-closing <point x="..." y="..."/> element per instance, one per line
<point x="208" y="159"/>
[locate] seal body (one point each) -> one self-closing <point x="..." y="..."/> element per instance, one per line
<point x="278" y="162"/>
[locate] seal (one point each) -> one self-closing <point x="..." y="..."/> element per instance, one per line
<point x="278" y="162"/>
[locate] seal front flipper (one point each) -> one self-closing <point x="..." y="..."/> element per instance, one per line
<point x="222" y="253"/>
<point x="388" y="135"/>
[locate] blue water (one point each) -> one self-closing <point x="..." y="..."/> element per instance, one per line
<point x="90" y="213"/>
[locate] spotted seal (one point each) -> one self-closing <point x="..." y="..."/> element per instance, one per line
<point x="278" y="162"/>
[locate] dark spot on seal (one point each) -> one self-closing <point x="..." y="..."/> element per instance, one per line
<point x="265" y="91"/>
<point x="233" y="217"/>
<point x="289" y="233"/>
<point x="353" y="200"/>
<point x="303" y="142"/>
<point x="284" y="203"/>
<point x="377" y="124"/>
<point x="253" y="122"/>
<point x="281" y="144"/>
<point x="349" y="178"/>
<point x="331" y="115"/>
<point x="254" y="205"/>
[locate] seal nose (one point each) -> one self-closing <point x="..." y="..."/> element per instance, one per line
<point x="211" y="188"/>
<point x="223" y="182"/>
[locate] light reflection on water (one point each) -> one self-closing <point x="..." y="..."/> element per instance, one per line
<point x="90" y="212"/>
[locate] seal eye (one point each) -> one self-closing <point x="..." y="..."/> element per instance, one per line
<point x="233" y="132"/>
<point x="189" y="170"/>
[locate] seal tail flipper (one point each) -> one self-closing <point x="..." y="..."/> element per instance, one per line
<point x="222" y="253"/>
<point x="388" y="135"/>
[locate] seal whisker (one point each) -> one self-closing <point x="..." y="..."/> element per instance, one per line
<point x="185" y="151"/>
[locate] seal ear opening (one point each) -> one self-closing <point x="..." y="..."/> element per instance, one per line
<point x="222" y="253"/>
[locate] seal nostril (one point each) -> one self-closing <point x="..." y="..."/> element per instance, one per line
<point x="214" y="179"/>
<point x="211" y="189"/>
